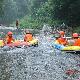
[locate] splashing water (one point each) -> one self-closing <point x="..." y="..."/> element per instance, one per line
<point x="37" y="63"/>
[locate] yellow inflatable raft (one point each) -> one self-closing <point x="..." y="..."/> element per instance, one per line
<point x="34" y="42"/>
<point x="71" y="48"/>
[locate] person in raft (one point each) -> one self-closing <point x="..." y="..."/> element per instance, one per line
<point x="61" y="38"/>
<point x="76" y="39"/>
<point x="28" y="36"/>
<point x="9" y="38"/>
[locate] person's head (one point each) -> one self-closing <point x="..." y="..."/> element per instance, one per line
<point x="10" y="34"/>
<point x="75" y="36"/>
<point x="62" y="33"/>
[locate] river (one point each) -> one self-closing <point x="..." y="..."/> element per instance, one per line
<point x="38" y="63"/>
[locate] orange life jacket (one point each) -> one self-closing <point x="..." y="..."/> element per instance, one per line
<point x="77" y="42"/>
<point x="62" y="41"/>
<point x="9" y="39"/>
<point x="28" y="37"/>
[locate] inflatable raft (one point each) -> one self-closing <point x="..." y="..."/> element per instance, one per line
<point x="72" y="49"/>
<point x="68" y="49"/>
<point x="19" y="43"/>
<point x="1" y="43"/>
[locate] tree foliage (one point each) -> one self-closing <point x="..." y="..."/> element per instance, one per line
<point x="1" y="7"/>
<point x="42" y="11"/>
<point x="57" y="10"/>
<point x="68" y="11"/>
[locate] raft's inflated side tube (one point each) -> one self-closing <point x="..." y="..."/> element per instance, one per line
<point x="1" y="43"/>
<point x="33" y="42"/>
<point x="58" y="46"/>
<point x="71" y="48"/>
<point x="19" y="43"/>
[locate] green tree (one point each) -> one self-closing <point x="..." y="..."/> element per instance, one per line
<point x="67" y="11"/>
<point x="1" y="8"/>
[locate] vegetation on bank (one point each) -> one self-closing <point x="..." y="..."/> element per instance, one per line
<point x="28" y="22"/>
<point x="38" y="12"/>
<point x="53" y="12"/>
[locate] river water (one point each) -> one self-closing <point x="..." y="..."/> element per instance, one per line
<point x="38" y="63"/>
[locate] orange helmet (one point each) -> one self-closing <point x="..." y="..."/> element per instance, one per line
<point x="75" y="35"/>
<point x="61" y="32"/>
<point x="9" y="33"/>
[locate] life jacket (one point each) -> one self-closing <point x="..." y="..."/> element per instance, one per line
<point x="62" y="41"/>
<point x="9" y="39"/>
<point x="77" y="42"/>
<point x="28" y="37"/>
<point x="56" y="42"/>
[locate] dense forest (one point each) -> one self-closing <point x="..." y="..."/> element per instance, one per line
<point x="34" y="13"/>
